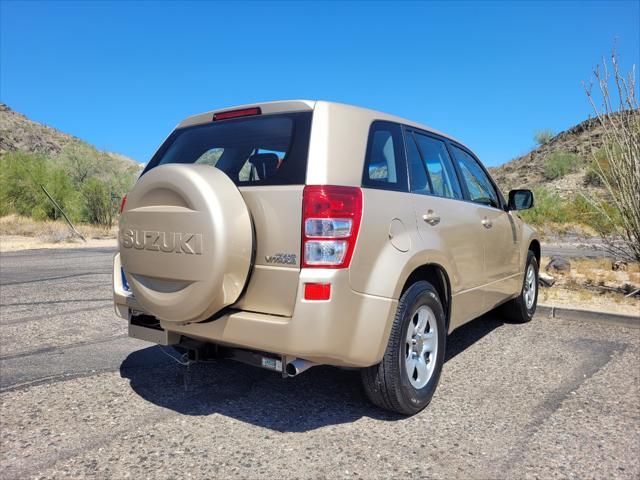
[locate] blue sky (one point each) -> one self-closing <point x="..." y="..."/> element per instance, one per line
<point x="121" y="75"/>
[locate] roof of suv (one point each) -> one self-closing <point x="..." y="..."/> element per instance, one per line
<point x="307" y="105"/>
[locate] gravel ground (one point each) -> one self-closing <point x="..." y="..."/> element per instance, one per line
<point x="79" y="399"/>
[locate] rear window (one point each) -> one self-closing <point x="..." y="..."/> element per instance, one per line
<point x="257" y="150"/>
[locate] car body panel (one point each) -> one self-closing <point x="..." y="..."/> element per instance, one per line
<point x="458" y="235"/>
<point x="276" y="212"/>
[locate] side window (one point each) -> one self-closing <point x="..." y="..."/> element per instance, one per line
<point x="384" y="164"/>
<point x="480" y="188"/>
<point x="210" y="157"/>
<point x="417" y="171"/>
<point x="441" y="174"/>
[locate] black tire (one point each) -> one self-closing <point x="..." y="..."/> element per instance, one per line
<point x="387" y="384"/>
<point x="516" y="310"/>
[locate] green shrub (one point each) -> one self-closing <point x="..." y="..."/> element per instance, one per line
<point x="600" y="166"/>
<point x="99" y="207"/>
<point x="591" y="177"/>
<point x="22" y="177"/>
<point x="86" y="183"/>
<point x="543" y="136"/>
<point x="551" y="208"/>
<point x="558" y="164"/>
<point x="81" y="162"/>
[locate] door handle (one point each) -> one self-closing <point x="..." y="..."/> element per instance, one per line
<point x="486" y="222"/>
<point x="431" y="218"/>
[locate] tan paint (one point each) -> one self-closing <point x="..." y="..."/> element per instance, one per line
<point x="351" y="329"/>
<point x="458" y="238"/>
<point x="175" y="280"/>
<point x="376" y="264"/>
<point x="502" y="257"/>
<point x="276" y="212"/>
<point x="398" y="235"/>
<point x="485" y="266"/>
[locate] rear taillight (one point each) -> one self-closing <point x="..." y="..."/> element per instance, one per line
<point x="330" y="224"/>
<point x="123" y="203"/>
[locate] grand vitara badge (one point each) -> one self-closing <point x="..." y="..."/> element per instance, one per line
<point x="282" y="258"/>
<point x="168" y="242"/>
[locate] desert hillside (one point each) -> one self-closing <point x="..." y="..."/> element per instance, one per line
<point x="44" y="172"/>
<point x="573" y="146"/>
<point x="19" y="133"/>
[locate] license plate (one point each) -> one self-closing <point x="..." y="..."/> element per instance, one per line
<point x="272" y="364"/>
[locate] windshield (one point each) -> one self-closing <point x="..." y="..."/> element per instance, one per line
<point x="257" y="150"/>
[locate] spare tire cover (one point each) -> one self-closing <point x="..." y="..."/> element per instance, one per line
<point x="186" y="242"/>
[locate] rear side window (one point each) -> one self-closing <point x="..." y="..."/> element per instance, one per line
<point x="384" y="162"/>
<point x="480" y="188"/>
<point x="417" y="171"/>
<point x="257" y="150"/>
<point x="436" y="163"/>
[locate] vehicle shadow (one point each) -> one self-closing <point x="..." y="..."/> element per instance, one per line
<point x="319" y="397"/>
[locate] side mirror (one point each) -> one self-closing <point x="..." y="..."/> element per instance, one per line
<point x="520" y="199"/>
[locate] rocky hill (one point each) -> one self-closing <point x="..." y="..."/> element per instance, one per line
<point x="528" y="171"/>
<point x="17" y="132"/>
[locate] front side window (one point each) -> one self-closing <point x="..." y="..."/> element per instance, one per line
<point x="479" y="186"/>
<point x="384" y="164"/>
<point x="441" y="174"/>
<point x="256" y="150"/>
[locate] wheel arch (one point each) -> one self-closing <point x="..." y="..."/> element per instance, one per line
<point x="437" y="276"/>
<point x="534" y="246"/>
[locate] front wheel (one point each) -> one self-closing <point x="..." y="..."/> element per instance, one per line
<point x="406" y="378"/>
<point x="522" y="308"/>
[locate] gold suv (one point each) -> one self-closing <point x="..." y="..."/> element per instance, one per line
<point x="296" y="233"/>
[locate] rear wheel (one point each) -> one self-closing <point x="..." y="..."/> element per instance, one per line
<point x="406" y="378"/>
<point x="522" y="308"/>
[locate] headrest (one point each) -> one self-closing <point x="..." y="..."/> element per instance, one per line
<point x="266" y="164"/>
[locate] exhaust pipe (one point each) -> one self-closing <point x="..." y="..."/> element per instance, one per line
<point x="298" y="366"/>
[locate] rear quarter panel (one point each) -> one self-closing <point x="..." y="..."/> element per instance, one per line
<point x="377" y="264"/>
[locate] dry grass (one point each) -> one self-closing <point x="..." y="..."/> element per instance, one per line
<point x="571" y="289"/>
<point x="554" y="230"/>
<point x="51" y="231"/>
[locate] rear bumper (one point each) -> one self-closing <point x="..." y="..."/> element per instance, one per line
<point x="350" y="329"/>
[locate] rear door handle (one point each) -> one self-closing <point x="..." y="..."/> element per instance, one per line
<point x="486" y="222"/>
<point x="431" y="218"/>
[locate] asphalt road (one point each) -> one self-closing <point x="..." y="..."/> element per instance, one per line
<point x="79" y="399"/>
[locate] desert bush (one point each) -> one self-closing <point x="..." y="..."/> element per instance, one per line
<point x="598" y="166"/>
<point x="558" y="164"/>
<point x="619" y="117"/>
<point x="591" y="177"/>
<point x="102" y="197"/>
<point x="551" y="208"/>
<point x="81" y="162"/>
<point x="22" y="177"/>
<point x="543" y="136"/>
<point x="99" y="208"/>
<point x="86" y="183"/>
<point x="102" y="180"/>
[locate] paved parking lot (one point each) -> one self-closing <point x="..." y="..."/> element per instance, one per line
<point x="552" y="398"/>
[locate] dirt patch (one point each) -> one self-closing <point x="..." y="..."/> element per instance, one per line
<point x="585" y="286"/>
<point x="12" y="243"/>
<point x="20" y="233"/>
